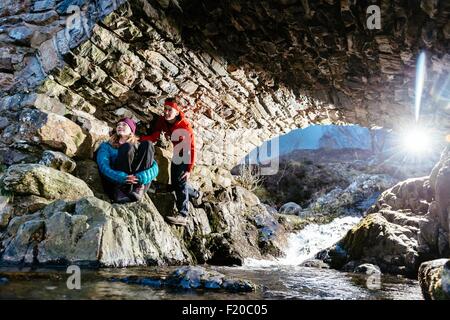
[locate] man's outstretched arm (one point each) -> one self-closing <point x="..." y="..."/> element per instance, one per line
<point x="154" y="136"/>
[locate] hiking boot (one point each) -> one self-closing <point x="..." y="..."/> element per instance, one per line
<point x="138" y="192"/>
<point x="178" y="220"/>
<point x="121" y="197"/>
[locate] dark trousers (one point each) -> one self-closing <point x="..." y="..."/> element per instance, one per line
<point x="130" y="159"/>
<point x="182" y="189"/>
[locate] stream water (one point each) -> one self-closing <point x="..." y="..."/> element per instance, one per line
<point x="280" y="279"/>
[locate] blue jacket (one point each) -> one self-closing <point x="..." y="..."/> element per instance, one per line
<point x="107" y="155"/>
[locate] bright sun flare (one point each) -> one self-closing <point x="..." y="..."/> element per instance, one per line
<point x="416" y="140"/>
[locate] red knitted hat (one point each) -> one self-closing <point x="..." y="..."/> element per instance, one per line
<point x="173" y="105"/>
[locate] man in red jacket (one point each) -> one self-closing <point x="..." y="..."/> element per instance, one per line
<point x="178" y="129"/>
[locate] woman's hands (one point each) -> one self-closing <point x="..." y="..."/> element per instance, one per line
<point x="132" y="179"/>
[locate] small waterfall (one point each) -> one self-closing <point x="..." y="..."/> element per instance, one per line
<point x="309" y="241"/>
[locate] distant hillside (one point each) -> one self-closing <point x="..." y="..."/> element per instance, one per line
<point x="329" y="137"/>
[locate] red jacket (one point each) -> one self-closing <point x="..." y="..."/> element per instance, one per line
<point x="163" y="126"/>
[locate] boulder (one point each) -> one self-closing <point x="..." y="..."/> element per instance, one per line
<point x="57" y="160"/>
<point x="42" y="181"/>
<point x="442" y="195"/>
<point x="413" y="194"/>
<point x="188" y="278"/>
<point x="50" y="129"/>
<point x="232" y="239"/>
<point x="272" y="234"/>
<point x="388" y="240"/>
<point x="434" y="279"/>
<point x="196" y="234"/>
<point x="21" y="248"/>
<point x="314" y="263"/>
<point x="367" y="268"/>
<point x="94" y="232"/>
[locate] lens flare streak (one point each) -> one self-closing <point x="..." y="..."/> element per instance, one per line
<point x="420" y="79"/>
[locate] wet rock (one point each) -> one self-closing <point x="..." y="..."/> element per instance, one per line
<point x="57" y="160"/>
<point x="434" y="279"/>
<point x="21" y="248"/>
<point x="235" y="239"/>
<point x="315" y="263"/>
<point x="367" y="268"/>
<point x="42" y="181"/>
<point x="188" y="278"/>
<point x="272" y="234"/>
<point x="238" y="286"/>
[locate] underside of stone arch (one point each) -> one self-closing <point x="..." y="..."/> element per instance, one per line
<point x="246" y="71"/>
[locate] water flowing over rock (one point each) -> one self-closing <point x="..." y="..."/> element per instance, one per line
<point x="405" y="227"/>
<point x="303" y="245"/>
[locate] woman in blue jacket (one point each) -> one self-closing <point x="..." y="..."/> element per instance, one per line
<point x="127" y="167"/>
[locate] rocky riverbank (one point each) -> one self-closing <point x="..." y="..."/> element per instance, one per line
<point x="52" y="217"/>
<point x="407" y="226"/>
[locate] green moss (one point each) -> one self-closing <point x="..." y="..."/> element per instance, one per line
<point x="358" y="237"/>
